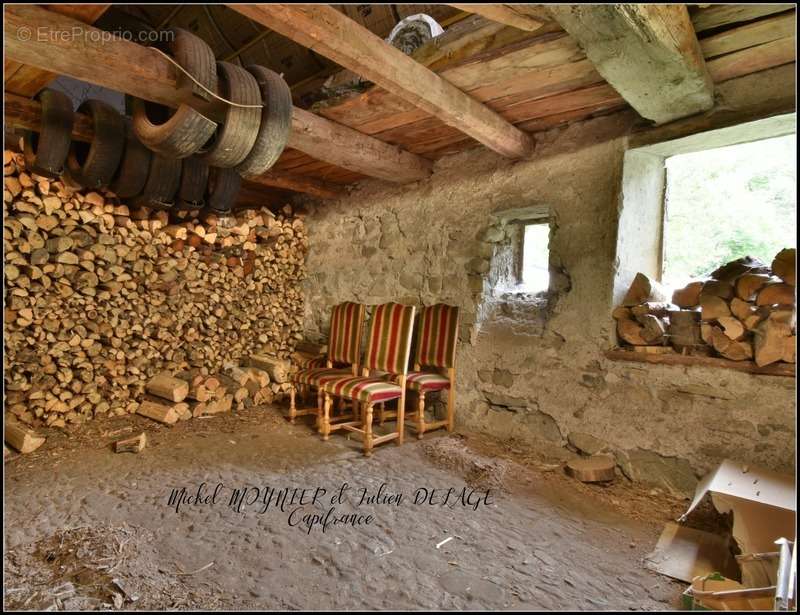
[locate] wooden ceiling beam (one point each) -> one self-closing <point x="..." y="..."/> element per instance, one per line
<point x="23" y="112"/>
<point x="130" y="68"/>
<point x="28" y="80"/>
<point x="328" y="32"/>
<point x="529" y="17"/>
<point x="648" y="52"/>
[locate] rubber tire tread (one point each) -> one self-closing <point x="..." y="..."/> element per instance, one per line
<point x="47" y="156"/>
<point x="223" y="189"/>
<point x="194" y="179"/>
<point x="134" y="167"/>
<point x="105" y="150"/>
<point x="163" y="181"/>
<point x="235" y="138"/>
<point x="186" y="130"/>
<point x="276" y="122"/>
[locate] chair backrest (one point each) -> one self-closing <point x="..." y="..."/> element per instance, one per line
<point x="344" y="341"/>
<point x="389" y="341"/>
<point x="437" y="334"/>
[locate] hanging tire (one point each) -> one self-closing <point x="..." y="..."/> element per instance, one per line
<point x="182" y="133"/>
<point x="132" y="173"/>
<point x="276" y="122"/>
<point x="46" y="151"/>
<point x="163" y="180"/>
<point x="236" y="136"/>
<point x="93" y="165"/>
<point x="223" y="189"/>
<point x="194" y="179"/>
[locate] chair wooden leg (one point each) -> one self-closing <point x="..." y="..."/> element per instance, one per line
<point x="381" y="413"/>
<point x="326" y="417"/>
<point x="292" y="405"/>
<point x="368" y="430"/>
<point x="320" y="402"/>
<point x="451" y="408"/>
<point x="401" y="417"/>
<point x="420" y="415"/>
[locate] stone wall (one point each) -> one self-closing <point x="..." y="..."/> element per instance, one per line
<point x="533" y="368"/>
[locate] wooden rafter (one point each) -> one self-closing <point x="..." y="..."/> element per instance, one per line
<point x="133" y="69"/>
<point x="528" y="17"/>
<point x="28" y="80"/>
<point x="332" y="34"/>
<point x="648" y="52"/>
<point x="26" y="113"/>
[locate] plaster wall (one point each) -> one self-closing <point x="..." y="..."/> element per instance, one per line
<point x="533" y="369"/>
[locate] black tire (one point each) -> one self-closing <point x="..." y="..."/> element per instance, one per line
<point x="235" y="138"/>
<point x="181" y="133"/>
<point x="163" y="180"/>
<point x="276" y="122"/>
<point x="132" y="173"/>
<point x="46" y="151"/>
<point x="93" y="165"/>
<point x="194" y="178"/>
<point x="223" y="189"/>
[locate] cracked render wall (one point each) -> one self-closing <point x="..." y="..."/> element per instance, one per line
<point x="532" y="371"/>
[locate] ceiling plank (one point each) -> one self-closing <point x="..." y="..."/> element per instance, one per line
<point x="332" y="34"/>
<point x="753" y="59"/>
<point x="750" y="35"/>
<point x="716" y="15"/>
<point x="23" y="112"/>
<point x="648" y="52"/>
<point x="521" y="16"/>
<point x="130" y="68"/>
<point x="28" y="80"/>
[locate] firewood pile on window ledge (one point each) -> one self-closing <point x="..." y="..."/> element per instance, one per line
<point x="744" y="313"/>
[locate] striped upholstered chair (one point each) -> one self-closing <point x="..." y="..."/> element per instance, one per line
<point x="344" y="349"/>
<point x="387" y="352"/>
<point x="434" y="363"/>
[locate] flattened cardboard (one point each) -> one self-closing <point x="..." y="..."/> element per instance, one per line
<point x="684" y="553"/>
<point x="762" y="502"/>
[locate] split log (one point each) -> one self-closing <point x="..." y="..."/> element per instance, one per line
<point x="717" y="288"/>
<point x="653" y="329"/>
<point x="741" y="309"/>
<point x="749" y="284"/>
<point x="594" y="469"/>
<point x="785" y="265"/>
<point x="732" y="270"/>
<point x="728" y="348"/>
<point x="20" y="438"/>
<point x="684" y="328"/>
<point x="778" y="293"/>
<point x="223" y="404"/>
<point x="630" y="331"/>
<point x="789" y="349"/>
<point x="278" y="369"/>
<point x="732" y="327"/>
<point x="713" y="307"/>
<point x="163" y="413"/>
<point x="688" y="296"/>
<point x="770" y="341"/>
<point x="643" y="289"/>
<point x="621" y="313"/>
<point x="135" y="444"/>
<point x="660" y="310"/>
<point x="167" y="386"/>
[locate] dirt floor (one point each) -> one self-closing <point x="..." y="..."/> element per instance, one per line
<point x="88" y="528"/>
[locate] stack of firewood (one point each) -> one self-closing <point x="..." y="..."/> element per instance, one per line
<point x="100" y="298"/>
<point x="745" y="311"/>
